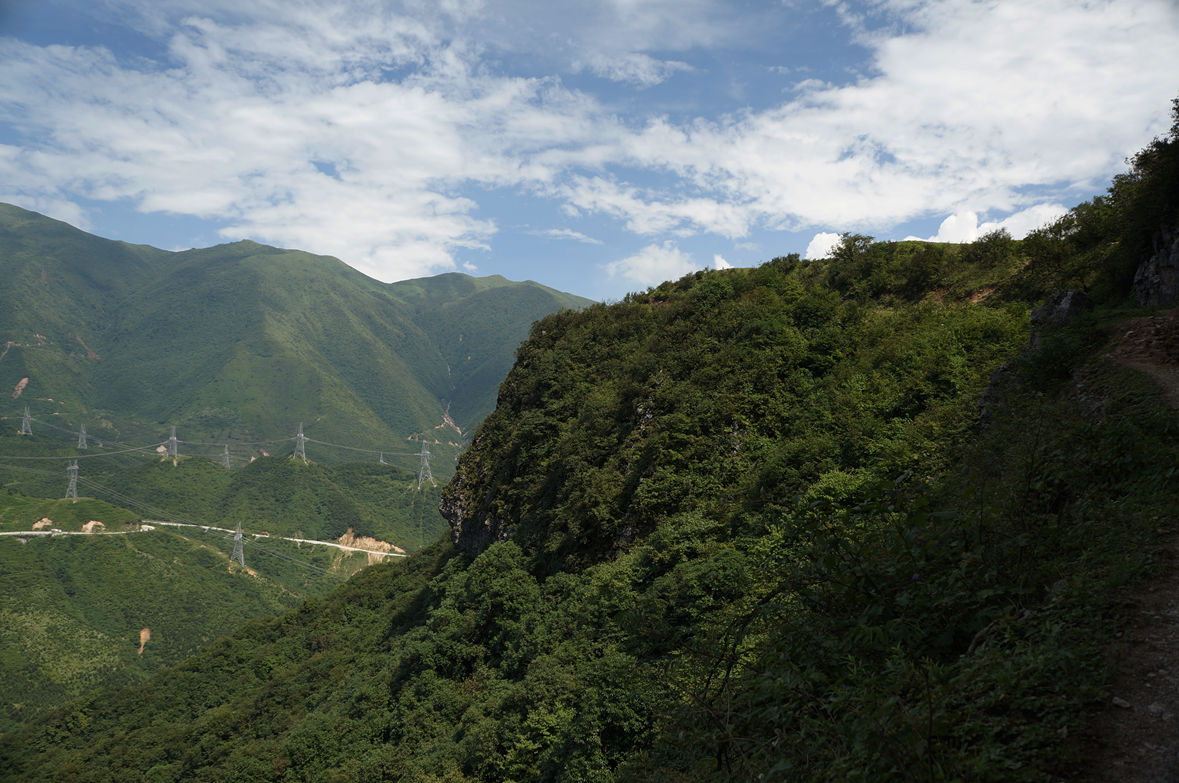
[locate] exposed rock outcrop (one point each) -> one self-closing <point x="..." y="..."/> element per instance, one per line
<point x="1156" y="282"/>
<point x="473" y="527"/>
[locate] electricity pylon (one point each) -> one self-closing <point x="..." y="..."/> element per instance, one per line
<point x="424" y="471"/>
<point x="225" y="457"/>
<point x="238" y="553"/>
<point x="172" y="444"/>
<point x="300" y="445"/>
<point x="26" y="423"/>
<point x="72" y="473"/>
<point x="82" y="437"/>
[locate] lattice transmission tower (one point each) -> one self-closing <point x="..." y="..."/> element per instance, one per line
<point x="82" y="437"/>
<point x="424" y="473"/>
<point x="238" y="552"/>
<point x="72" y="474"/>
<point x="26" y="423"/>
<point x="172" y="443"/>
<point x="225" y="457"/>
<point x="300" y="445"/>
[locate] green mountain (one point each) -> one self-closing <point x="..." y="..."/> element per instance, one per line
<point x="239" y="343"/>
<point x="234" y="346"/>
<point x="869" y="518"/>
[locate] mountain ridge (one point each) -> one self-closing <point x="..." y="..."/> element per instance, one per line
<point x="242" y="339"/>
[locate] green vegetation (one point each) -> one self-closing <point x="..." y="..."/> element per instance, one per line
<point x="18" y="512"/>
<point x="745" y="525"/>
<point x="72" y="607"/>
<point x="239" y="343"/>
<point x="273" y="494"/>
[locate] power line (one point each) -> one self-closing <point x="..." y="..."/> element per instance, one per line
<point x="170" y="447"/>
<point x="51" y="425"/>
<point x="145" y="449"/>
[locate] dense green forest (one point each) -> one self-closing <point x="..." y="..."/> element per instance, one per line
<point x="751" y="524"/>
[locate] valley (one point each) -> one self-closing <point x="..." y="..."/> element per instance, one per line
<point x="159" y="400"/>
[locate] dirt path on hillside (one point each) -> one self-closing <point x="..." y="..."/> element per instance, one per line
<point x="1135" y="738"/>
<point x="1151" y="345"/>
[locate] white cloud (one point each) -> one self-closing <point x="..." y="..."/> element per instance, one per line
<point x="1025" y="221"/>
<point x="967" y="108"/>
<point x="653" y="213"/>
<point x="822" y="244"/>
<point x="235" y="134"/>
<point x="632" y="67"/>
<point x="964" y="226"/>
<point x="653" y="264"/>
<point x="568" y="233"/>
<point x="719" y="262"/>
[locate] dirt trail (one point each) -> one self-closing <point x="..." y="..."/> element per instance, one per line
<point x="1151" y="345"/>
<point x="1135" y="738"/>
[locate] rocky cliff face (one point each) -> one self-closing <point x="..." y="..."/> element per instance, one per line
<point x="1156" y="282"/>
<point x="473" y="528"/>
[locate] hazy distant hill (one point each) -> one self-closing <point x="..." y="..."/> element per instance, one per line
<point x="240" y="342"/>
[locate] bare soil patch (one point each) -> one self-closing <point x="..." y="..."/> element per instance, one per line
<point x="1151" y="345"/>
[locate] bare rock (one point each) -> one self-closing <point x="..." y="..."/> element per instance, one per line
<point x="1156" y="281"/>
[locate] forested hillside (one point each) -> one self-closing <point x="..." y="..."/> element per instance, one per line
<point x="238" y="343"/>
<point x="751" y="524"/>
<point x="72" y="607"/>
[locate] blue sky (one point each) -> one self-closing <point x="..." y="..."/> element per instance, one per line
<point x="597" y="147"/>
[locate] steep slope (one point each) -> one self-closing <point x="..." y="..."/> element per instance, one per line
<point x="475" y="326"/>
<point x="240" y="342"/>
